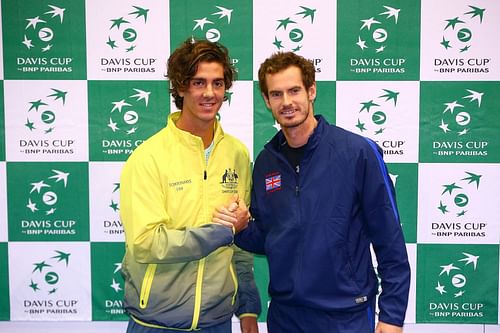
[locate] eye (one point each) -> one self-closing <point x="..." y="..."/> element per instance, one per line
<point x="219" y="84"/>
<point x="295" y="90"/>
<point x="197" y="83"/>
<point x="275" y="94"/>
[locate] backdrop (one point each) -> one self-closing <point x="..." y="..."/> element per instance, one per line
<point x="83" y="83"/>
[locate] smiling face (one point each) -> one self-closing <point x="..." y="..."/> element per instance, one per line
<point x="204" y="96"/>
<point x="290" y="102"/>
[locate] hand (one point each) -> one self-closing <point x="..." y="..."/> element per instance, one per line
<point x="387" y="328"/>
<point x="249" y="325"/>
<point x="242" y="216"/>
<point x="234" y="214"/>
<point x="225" y="215"/>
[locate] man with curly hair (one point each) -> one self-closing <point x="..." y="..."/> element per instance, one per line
<point x="181" y="270"/>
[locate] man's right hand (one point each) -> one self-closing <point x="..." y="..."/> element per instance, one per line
<point x="235" y="214"/>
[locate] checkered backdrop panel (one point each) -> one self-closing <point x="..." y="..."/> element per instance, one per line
<point x="83" y="84"/>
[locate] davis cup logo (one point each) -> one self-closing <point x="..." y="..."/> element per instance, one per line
<point x="375" y="32"/>
<point x="41" y="115"/>
<point x="44" y="194"/>
<point x="39" y="33"/>
<point x="125" y="114"/>
<point x="456" y="196"/>
<point x="124" y="31"/>
<point x="210" y="29"/>
<point x="46" y="275"/>
<point x="289" y="34"/>
<point x="457" y="32"/>
<point x="458" y="114"/>
<point x="375" y="113"/>
<point x="453" y="277"/>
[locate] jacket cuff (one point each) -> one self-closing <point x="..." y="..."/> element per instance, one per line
<point x="248" y="315"/>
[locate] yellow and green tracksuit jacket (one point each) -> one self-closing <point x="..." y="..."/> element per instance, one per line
<point x="182" y="271"/>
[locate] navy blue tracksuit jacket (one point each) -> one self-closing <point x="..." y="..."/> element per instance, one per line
<point x="316" y="226"/>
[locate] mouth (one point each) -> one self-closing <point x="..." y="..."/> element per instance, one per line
<point x="287" y="112"/>
<point x="207" y="105"/>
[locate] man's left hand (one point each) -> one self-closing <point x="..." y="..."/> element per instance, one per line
<point x="249" y="325"/>
<point x="387" y="328"/>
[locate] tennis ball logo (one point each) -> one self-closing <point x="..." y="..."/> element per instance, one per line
<point x="130" y="117"/>
<point x="213" y="35"/>
<point x="46" y="34"/>
<point x="458" y="281"/>
<point x="379" y="118"/>
<point x="464" y="35"/>
<point x="380" y="35"/>
<point x="51" y="278"/>
<point x="296" y="35"/>
<point x="48" y="117"/>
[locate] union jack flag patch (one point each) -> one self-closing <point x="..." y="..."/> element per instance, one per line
<point x="273" y="182"/>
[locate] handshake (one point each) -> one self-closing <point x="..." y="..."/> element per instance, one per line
<point x="233" y="215"/>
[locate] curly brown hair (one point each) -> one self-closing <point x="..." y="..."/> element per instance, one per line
<point x="282" y="60"/>
<point x="183" y="64"/>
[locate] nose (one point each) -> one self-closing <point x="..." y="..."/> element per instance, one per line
<point x="286" y="99"/>
<point x="209" y="92"/>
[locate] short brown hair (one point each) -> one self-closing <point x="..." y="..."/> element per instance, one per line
<point x="183" y="64"/>
<point x="282" y="60"/>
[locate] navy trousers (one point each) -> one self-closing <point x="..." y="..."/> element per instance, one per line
<point x="297" y="319"/>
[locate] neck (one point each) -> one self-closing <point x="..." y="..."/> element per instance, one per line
<point x="202" y="129"/>
<point x="299" y="135"/>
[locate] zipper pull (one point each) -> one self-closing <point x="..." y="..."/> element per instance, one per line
<point x="204" y="174"/>
<point x="297" y="190"/>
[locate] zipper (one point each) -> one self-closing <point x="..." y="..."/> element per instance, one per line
<point x="146" y="285"/>
<point x="235" y="281"/>
<point x="197" y="295"/>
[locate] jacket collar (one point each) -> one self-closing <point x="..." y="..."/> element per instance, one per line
<point x="279" y="139"/>
<point x="187" y="138"/>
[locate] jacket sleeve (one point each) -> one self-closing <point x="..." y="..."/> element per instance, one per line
<point x="252" y="238"/>
<point x="145" y="220"/>
<point x="248" y="294"/>
<point x="379" y="204"/>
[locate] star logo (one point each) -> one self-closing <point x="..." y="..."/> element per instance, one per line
<point x="290" y="32"/>
<point x="124" y="115"/>
<point x="40" y="31"/>
<point x="453" y="278"/>
<point x="47" y="274"/>
<point x="456" y="195"/>
<point x="123" y="32"/>
<point x="374" y="114"/>
<point x="44" y="194"/>
<point x="457" y="31"/>
<point x="42" y="114"/>
<point x="210" y="27"/>
<point x="457" y="114"/>
<point x="375" y="31"/>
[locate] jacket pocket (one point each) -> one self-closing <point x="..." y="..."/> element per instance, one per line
<point x="146" y="285"/>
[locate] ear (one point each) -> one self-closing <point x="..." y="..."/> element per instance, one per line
<point x="312" y="92"/>
<point x="266" y="100"/>
<point x="180" y="93"/>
